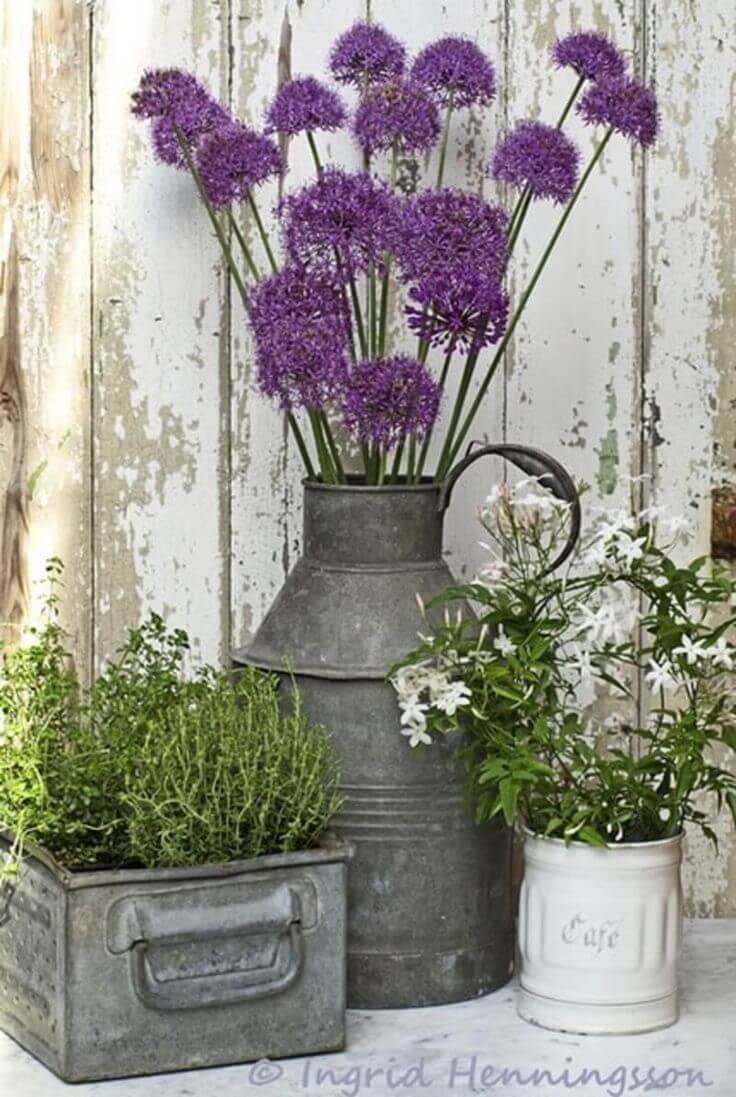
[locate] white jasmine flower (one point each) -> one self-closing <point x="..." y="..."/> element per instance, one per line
<point x="503" y="644"/>
<point x="416" y="734"/>
<point x="630" y="549"/>
<point x="721" y="654"/>
<point x="660" y="675"/>
<point x="581" y="663"/>
<point x="691" y="650"/>
<point x="491" y="574"/>
<point x="454" y="697"/>
<point x="675" y="527"/>
<point x="413" y="711"/>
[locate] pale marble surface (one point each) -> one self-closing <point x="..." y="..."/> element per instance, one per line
<point x="485" y="1034"/>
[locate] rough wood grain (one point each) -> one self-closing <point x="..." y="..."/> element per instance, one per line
<point x="690" y="308"/>
<point x="44" y="211"/>
<point x="161" y="388"/>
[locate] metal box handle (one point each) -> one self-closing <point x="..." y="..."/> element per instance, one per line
<point x="213" y="933"/>
<point x="227" y="988"/>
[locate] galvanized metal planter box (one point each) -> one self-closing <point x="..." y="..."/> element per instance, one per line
<point x="106" y="974"/>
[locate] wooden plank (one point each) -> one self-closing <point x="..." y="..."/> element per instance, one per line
<point x="161" y="386"/>
<point x="44" y="229"/>
<point x="572" y="369"/>
<point x="690" y="306"/>
<point x="266" y="473"/>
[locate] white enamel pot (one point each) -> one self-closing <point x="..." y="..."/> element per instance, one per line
<point x="599" y="935"/>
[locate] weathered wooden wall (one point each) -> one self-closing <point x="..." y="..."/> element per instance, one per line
<point x="132" y="442"/>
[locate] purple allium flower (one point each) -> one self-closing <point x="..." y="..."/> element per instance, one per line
<point x="232" y="159"/>
<point x="459" y="306"/>
<point x="344" y="214"/>
<point x="397" y="111"/>
<point x="366" y="53"/>
<point x="304" y="104"/>
<point x="389" y="398"/>
<point x="171" y="97"/>
<point x="540" y="157"/>
<point x="625" y="106"/>
<point x="455" y="64"/>
<point x="590" y="54"/>
<point x="299" y="324"/>
<point x="449" y="226"/>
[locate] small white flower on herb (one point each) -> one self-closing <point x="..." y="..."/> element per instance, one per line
<point x="660" y="675"/>
<point x="503" y="644"/>
<point x="416" y="734"/>
<point x="721" y="654"/>
<point x="691" y="650"/>
<point x="675" y="528"/>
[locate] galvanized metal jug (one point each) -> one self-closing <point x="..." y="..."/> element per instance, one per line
<point x="429" y="893"/>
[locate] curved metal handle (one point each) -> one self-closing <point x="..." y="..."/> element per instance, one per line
<point x="226" y="988"/>
<point x="535" y="462"/>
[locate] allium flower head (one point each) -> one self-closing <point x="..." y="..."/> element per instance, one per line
<point x="540" y="157"/>
<point x="304" y="104"/>
<point x="174" y="99"/>
<point x="300" y="331"/>
<point x="366" y="53"/>
<point x="455" y="64"/>
<point x="590" y="54"/>
<point x="398" y="111"/>
<point x="389" y="398"/>
<point x="458" y="306"/>
<point x="449" y="226"/>
<point x="232" y="159"/>
<point x="343" y="213"/>
<point x="624" y="105"/>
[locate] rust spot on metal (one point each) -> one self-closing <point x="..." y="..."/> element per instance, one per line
<point x="723" y="525"/>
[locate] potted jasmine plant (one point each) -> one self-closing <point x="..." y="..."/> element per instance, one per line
<point x="598" y="717"/>
<point x="165" y="899"/>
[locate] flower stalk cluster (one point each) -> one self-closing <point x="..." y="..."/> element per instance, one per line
<point x="354" y="248"/>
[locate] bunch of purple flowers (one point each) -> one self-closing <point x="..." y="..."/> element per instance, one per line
<point x="354" y="245"/>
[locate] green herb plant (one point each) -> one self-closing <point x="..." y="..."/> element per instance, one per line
<point x="623" y="625"/>
<point x="149" y="766"/>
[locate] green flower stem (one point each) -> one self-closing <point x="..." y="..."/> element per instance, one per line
<point x="366" y="455"/>
<point x="243" y="246"/>
<point x="445" y="459"/>
<point x="454" y="447"/>
<point x="386" y="279"/>
<point x="262" y="232"/>
<point x="323" y="455"/>
<point x="315" y="154"/>
<point x="428" y="438"/>
<point x="411" y="461"/>
<point x="332" y="446"/>
<point x="360" y="326"/>
<point x="219" y="233"/>
<point x="301" y="445"/>
<point x="396" y="466"/>
<point x="445" y="138"/>
<point x="381" y="473"/>
<point x="570" y="102"/>
<point x="373" y="310"/>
